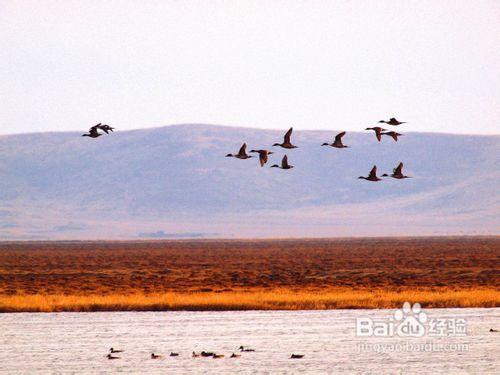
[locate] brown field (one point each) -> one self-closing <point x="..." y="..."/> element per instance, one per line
<point x="249" y="274"/>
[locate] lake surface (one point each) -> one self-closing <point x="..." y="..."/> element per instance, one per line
<point x="79" y="342"/>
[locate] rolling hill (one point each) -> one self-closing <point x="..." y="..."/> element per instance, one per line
<point x="174" y="182"/>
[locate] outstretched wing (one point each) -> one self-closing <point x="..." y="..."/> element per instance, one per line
<point x="378" y="134"/>
<point x="288" y="135"/>
<point x="243" y="150"/>
<point x="94" y="128"/>
<point x="338" y="137"/>
<point x="373" y="172"/>
<point x="399" y="169"/>
<point x="284" y="162"/>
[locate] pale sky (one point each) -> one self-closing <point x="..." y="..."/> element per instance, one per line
<point x="66" y="65"/>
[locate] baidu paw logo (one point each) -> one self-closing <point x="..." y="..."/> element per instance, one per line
<point x="410" y="320"/>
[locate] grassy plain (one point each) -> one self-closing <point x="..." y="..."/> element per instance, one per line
<point x="249" y="274"/>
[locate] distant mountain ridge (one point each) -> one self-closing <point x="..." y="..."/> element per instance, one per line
<point x="174" y="181"/>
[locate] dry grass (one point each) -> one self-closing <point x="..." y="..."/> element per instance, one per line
<point x="214" y="275"/>
<point x="262" y="300"/>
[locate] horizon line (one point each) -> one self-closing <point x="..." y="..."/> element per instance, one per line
<point x="247" y="127"/>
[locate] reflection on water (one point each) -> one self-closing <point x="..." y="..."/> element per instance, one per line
<point x="79" y="342"/>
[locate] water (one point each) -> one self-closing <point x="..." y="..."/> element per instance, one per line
<point x="79" y="342"/>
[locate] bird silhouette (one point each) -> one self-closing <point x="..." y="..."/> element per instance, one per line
<point x="284" y="164"/>
<point x="392" y="121"/>
<point x="262" y="156"/>
<point x="378" y="130"/>
<point x="242" y="154"/>
<point x="397" y="172"/>
<point x="372" y="176"/>
<point x="337" y="142"/>
<point x="286" y="140"/>
<point x="394" y="135"/>
<point x="93" y="133"/>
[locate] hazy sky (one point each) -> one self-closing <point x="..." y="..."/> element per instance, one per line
<point x="65" y="65"/>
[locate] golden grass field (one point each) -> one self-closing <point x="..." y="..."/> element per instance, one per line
<point x="249" y="274"/>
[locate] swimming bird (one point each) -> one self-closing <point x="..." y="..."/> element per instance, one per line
<point x="377" y="130"/>
<point x="207" y="354"/>
<point x="372" y="176"/>
<point x="243" y="349"/>
<point x="262" y="156"/>
<point x="296" y="356"/>
<point x="111" y="350"/>
<point x="397" y="172"/>
<point x="105" y="128"/>
<point x="109" y="356"/>
<point x="338" y="141"/>
<point x="195" y="355"/>
<point x="284" y="164"/>
<point x="392" y="121"/>
<point x="156" y="356"/>
<point x="286" y="140"/>
<point x="242" y="154"/>
<point x="394" y="135"/>
<point x="93" y="133"/>
<point x="218" y="356"/>
<point x="235" y="355"/>
<point x="493" y="330"/>
<point x="172" y="354"/>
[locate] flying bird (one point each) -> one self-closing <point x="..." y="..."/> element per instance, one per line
<point x="93" y="133"/>
<point x="392" y="121"/>
<point x="284" y="164"/>
<point x="242" y="154"/>
<point x="394" y="135"/>
<point x="378" y="130"/>
<point x="262" y="156"/>
<point x="286" y="140"/>
<point x="397" y="172"/>
<point x="338" y="141"/>
<point x="372" y="176"/>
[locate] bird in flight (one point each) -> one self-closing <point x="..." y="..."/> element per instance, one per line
<point x="93" y="133"/>
<point x="397" y="172"/>
<point x="392" y="121"/>
<point x="337" y="142"/>
<point x="286" y="140"/>
<point x="378" y="130"/>
<point x="284" y="164"/>
<point x="262" y="156"/>
<point x="242" y="154"/>
<point x="394" y="135"/>
<point x="372" y="176"/>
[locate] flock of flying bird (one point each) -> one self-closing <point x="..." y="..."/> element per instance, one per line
<point x="337" y="143"/>
<point x="287" y="144"/>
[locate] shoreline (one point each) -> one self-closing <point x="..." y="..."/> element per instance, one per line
<point x="278" y="299"/>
